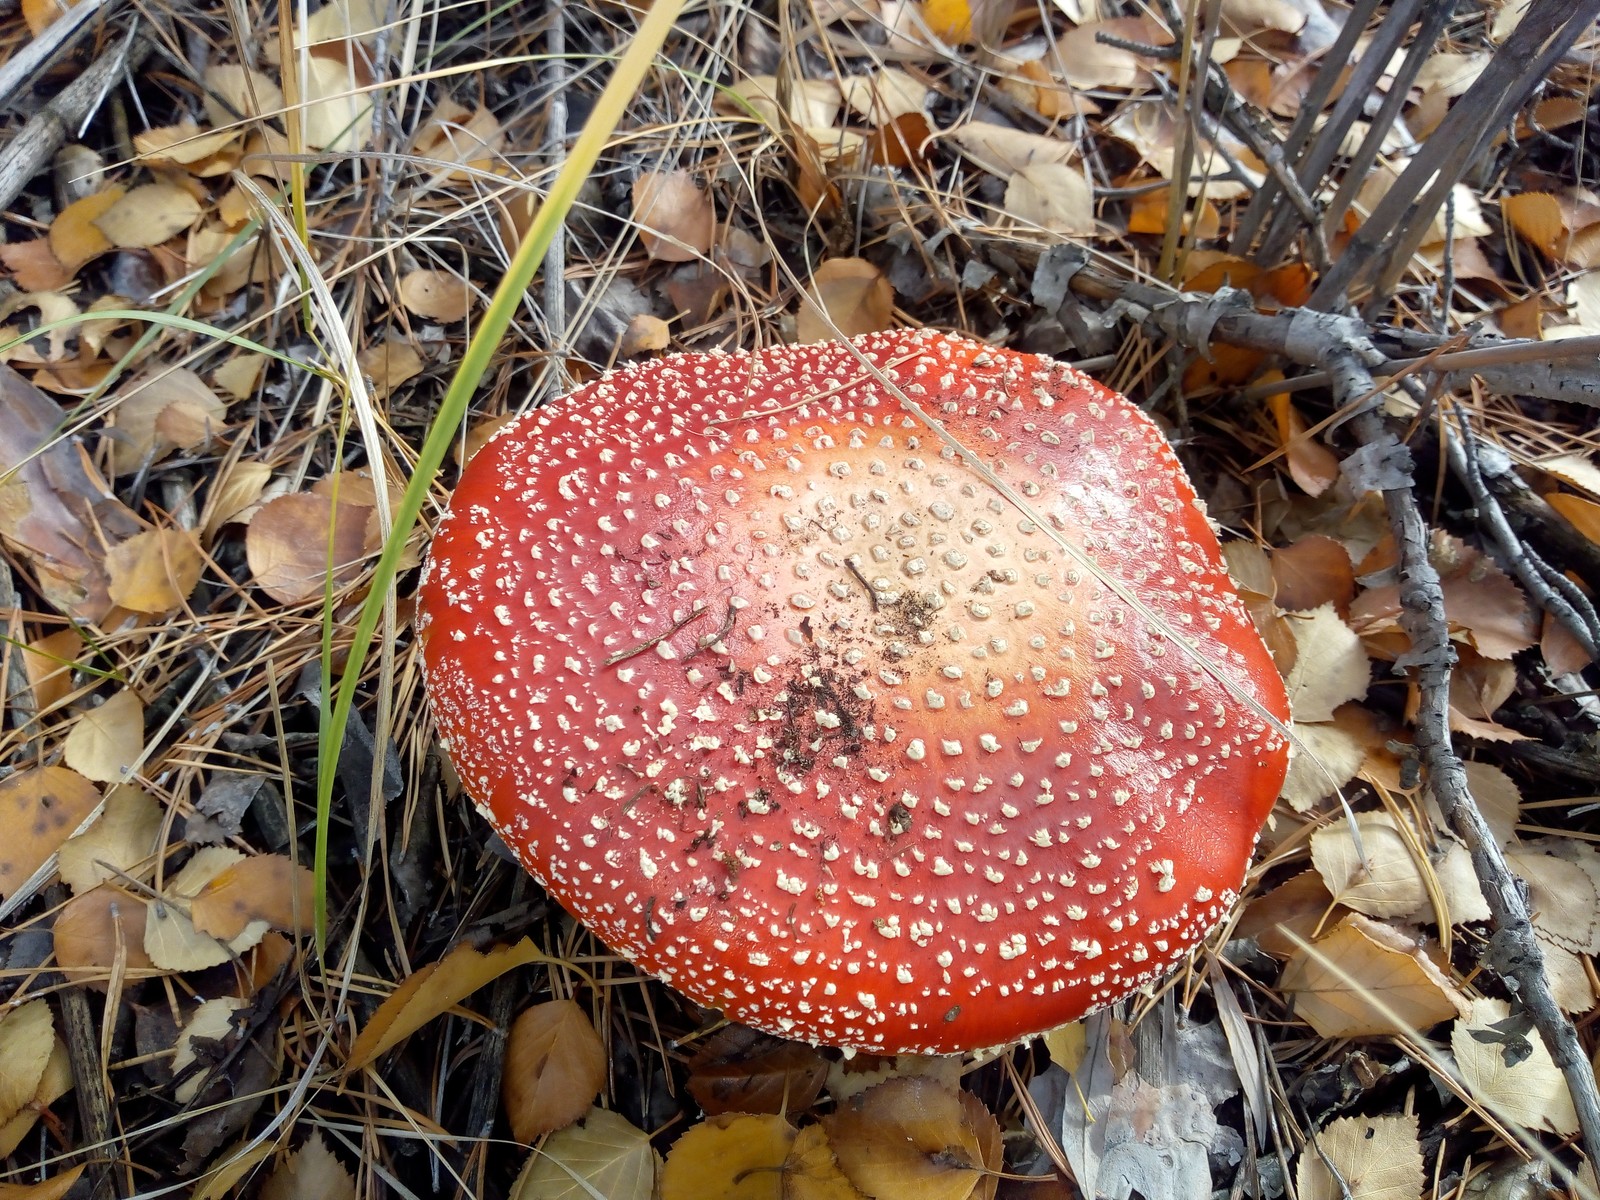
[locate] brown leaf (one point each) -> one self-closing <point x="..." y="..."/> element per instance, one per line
<point x="388" y="364"/>
<point x="1314" y="571"/>
<point x="1377" y="1158"/>
<point x="855" y="296"/>
<point x="1053" y="197"/>
<point x="34" y="266"/>
<point x="555" y="1067"/>
<point x="676" y="218"/>
<point x="462" y="137"/>
<point x="1364" y="979"/>
<point x="56" y="1082"/>
<point x="436" y="295"/>
<point x="93" y="929"/>
<point x="105" y="741"/>
<point x="49" y="663"/>
<point x="740" y="1070"/>
<point x="148" y="216"/>
<point x="1289" y="914"/>
<point x="40" y="808"/>
<point x="262" y="887"/>
<point x="1312" y="465"/>
<point x="292" y="541"/>
<point x="431" y="990"/>
<point x="161" y="411"/>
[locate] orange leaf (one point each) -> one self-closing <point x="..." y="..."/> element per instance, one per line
<point x="263" y="887"/>
<point x="555" y="1067"/>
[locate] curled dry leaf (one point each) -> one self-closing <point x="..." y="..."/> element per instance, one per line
<point x="292" y="541"/>
<point x="430" y="990"/>
<point x="728" y="1157"/>
<point x="675" y="217"/>
<point x="202" y="152"/>
<point x="312" y="1170"/>
<point x="848" y="296"/>
<point x="148" y="216"/>
<point x="34" y="267"/>
<point x="740" y="1070"/>
<point x="1288" y="915"/>
<point x="57" y="1186"/>
<point x="27" y="1034"/>
<point x="1372" y="868"/>
<point x="1330" y="666"/>
<point x="105" y="742"/>
<point x="1364" y="979"/>
<point x="154" y="571"/>
<point x="96" y="930"/>
<point x="914" y="1137"/>
<point x="461" y="137"/>
<point x="602" y="1155"/>
<point x="234" y="496"/>
<point x="884" y="95"/>
<point x="436" y="295"/>
<point x="40" y="809"/>
<point x="125" y="835"/>
<point x="1508" y="1070"/>
<point x="266" y="888"/>
<point x="1377" y="1158"/>
<point x="555" y="1067"/>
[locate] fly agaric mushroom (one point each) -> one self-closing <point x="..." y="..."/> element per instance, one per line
<point x="910" y="719"/>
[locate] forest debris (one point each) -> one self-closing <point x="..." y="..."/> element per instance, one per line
<point x="848" y="296"/>
<point x="261" y="888"/>
<point x="1053" y="197"/>
<point x="913" y="1137"/>
<point x="211" y="1021"/>
<point x="154" y="571"/>
<point x="295" y="543"/>
<point x="27" y="1034"/>
<point x="555" y="1067"/>
<point x="1371" y="869"/>
<point x="148" y="215"/>
<point x="737" y="1069"/>
<point x="96" y="931"/>
<point x="1330" y="667"/>
<point x="163" y="410"/>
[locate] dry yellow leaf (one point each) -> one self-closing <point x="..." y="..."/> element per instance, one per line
<point x="212" y="1020"/>
<point x="913" y="1138"/>
<point x="56" y="1082"/>
<point x="389" y="364"/>
<point x="462" y="137"/>
<point x="555" y="1067"/>
<point x="154" y="571"/>
<point x="75" y="239"/>
<point x="436" y="295"/>
<point x="125" y="835"/>
<point x="202" y="152"/>
<point x="1003" y="151"/>
<point x="106" y="741"/>
<point x="848" y="296"/>
<point x="34" y="267"/>
<point x="27" y="1034"/>
<point x="602" y="1155"/>
<point x="336" y="114"/>
<point x="170" y="938"/>
<point x="812" y="103"/>
<point x="1053" y="197"/>
<point x="166" y="409"/>
<point x="54" y="1188"/>
<point x="1536" y="216"/>
<point x="1377" y="1158"/>
<point x="884" y="95"/>
<point x="148" y="216"/>
<point x="1364" y="979"/>
<point x="240" y="375"/>
<point x="729" y="1157"/>
<point x="235" y="92"/>
<point x="235" y="493"/>
<point x="675" y="217"/>
<point x="1326" y="756"/>
<point x="49" y="663"/>
<point x="431" y="990"/>
<point x="811" y="1172"/>
<point x="1330" y="667"/>
<point x="645" y="333"/>
<point x="1584" y="514"/>
<point x="1563" y="880"/>
<point x="1508" y="1070"/>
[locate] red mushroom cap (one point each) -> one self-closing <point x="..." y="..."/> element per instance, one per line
<point x="771" y="686"/>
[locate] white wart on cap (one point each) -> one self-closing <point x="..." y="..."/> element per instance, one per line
<point x="781" y="697"/>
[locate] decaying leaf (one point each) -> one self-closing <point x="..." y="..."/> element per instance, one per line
<point x="40" y="808"/>
<point x="430" y="990"/>
<point x="293" y="542"/>
<point x="461" y="136"/>
<point x="154" y="571"/>
<point x="912" y="1136"/>
<point x="729" y="1157"/>
<point x="212" y="1020"/>
<point x="1377" y="1158"/>
<point x="388" y="364"/>
<point x="27" y="1035"/>
<point x="336" y="114"/>
<point x="1327" y="755"/>
<point x="739" y="1070"/>
<point x="148" y="215"/>
<point x="811" y="1172"/>
<point x="602" y="1155"/>
<point x="555" y="1066"/>
<point x="55" y="1083"/>
<point x="161" y="411"/>
<point x="1053" y="197"/>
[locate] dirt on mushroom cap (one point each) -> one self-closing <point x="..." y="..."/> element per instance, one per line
<point x="775" y="691"/>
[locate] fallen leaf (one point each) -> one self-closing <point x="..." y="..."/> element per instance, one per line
<point x="234" y="92"/>
<point x="1053" y="197"/>
<point x="1371" y="868"/>
<point x="461" y="137"/>
<point x="1291" y="913"/>
<point x="912" y="1136"/>
<point x="555" y="1067"/>
<point x="167" y="409"/>
<point x="1327" y="756"/>
<point x="1312" y="466"/>
<point x="311" y="1171"/>
<point x="738" y="1069"/>
<point x="27" y="1034"/>
<point x="884" y="94"/>
<point x="292" y="542"/>
<point x="40" y="808"/>
<point x="1003" y="151"/>
<point x="645" y="334"/>
<point x="49" y="663"/>
<point x="125" y="835"/>
<point x="334" y="112"/>
<point x="812" y="1172"/>
<point x="106" y="741"/>
<point x="57" y="1186"/>
<point x="432" y="989"/>
<point x="154" y="571"/>
<point x="1365" y="979"/>
<point x="855" y="296"/>
<point x="676" y="219"/>
<point x="94" y="929"/>
<point x="34" y="266"/>
<point x="728" y="1157"/>
<point x="389" y="364"/>
<point x="1376" y="1158"/>
<point x="201" y="152"/>
<point x="267" y="888"/>
<point x="1330" y="666"/>
<point x="602" y="1155"/>
<point x="148" y="216"/>
<point x="436" y="295"/>
<point x="1313" y="571"/>
<point x="1517" y="1081"/>
<point x="56" y="1082"/>
<point x="212" y="1020"/>
<point x="75" y="239"/>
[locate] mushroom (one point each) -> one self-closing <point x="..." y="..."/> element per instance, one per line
<point x="890" y="695"/>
